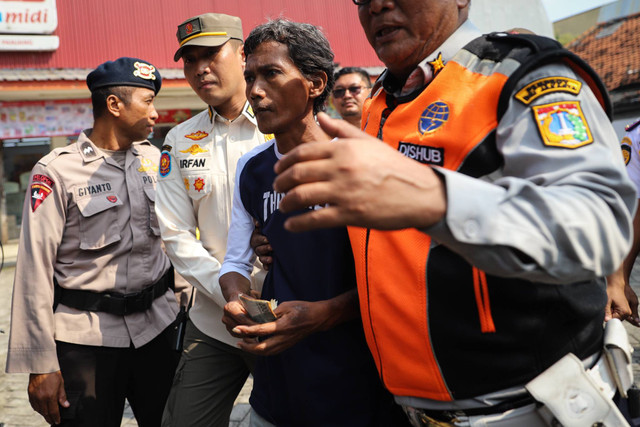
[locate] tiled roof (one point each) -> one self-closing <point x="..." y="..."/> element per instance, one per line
<point x="60" y="74"/>
<point x="613" y="50"/>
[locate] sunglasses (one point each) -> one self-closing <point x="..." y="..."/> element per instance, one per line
<point x="353" y="90"/>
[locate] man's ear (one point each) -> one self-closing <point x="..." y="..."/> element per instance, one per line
<point x="317" y="84"/>
<point x="114" y="105"/>
<point x="243" y="58"/>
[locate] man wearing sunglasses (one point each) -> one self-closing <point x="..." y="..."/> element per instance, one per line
<point x="352" y="87"/>
<point x="484" y="225"/>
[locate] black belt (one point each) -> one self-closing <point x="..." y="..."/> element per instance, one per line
<point x="115" y="302"/>
<point x="448" y="417"/>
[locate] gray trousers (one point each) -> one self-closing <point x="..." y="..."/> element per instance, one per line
<point x="207" y="381"/>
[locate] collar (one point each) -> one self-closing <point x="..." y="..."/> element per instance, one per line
<point x="247" y="112"/>
<point x="90" y="152"/>
<point x="432" y="64"/>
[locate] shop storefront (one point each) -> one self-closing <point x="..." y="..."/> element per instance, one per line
<point x="48" y="47"/>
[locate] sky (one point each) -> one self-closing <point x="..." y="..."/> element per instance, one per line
<point x="560" y="9"/>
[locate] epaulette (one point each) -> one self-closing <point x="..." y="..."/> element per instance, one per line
<point x="632" y="126"/>
<point x="54" y="154"/>
<point x="531" y="52"/>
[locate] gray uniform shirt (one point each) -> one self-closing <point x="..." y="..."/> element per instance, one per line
<point x="90" y="223"/>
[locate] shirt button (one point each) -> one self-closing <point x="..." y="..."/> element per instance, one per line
<point x="232" y="139"/>
<point x="471" y="228"/>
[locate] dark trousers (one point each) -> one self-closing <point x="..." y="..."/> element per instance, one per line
<point x="98" y="379"/>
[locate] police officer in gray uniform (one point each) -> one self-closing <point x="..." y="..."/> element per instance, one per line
<point x="93" y="287"/>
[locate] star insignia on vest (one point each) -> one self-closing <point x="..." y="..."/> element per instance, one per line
<point x="198" y="184"/>
<point x="147" y="165"/>
<point x="544" y="86"/>
<point x="625" y="145"/>
<point x="165" y="164"/>
<point x="195" y="149"/>
<point x="144" y="71"/>
<point x="434" y="116"/>
<point x="196" y="136"/>
<point x="166" y="148"/>
<point x="186" y="183"/>
<point x="268" y="137"/>
<point x="562" y="124"/>
<point x="87" y="149"/>
<point x="437" y="64"/>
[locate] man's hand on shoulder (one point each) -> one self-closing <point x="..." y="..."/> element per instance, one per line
<point x="46" y="392"/>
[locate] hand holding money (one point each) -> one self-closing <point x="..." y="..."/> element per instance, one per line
<point x="260" y="310"/>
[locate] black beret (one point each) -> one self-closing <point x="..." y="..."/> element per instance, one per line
<point x="125" y="72"/>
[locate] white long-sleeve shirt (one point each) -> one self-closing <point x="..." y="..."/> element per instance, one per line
<point x="195" y="191"/>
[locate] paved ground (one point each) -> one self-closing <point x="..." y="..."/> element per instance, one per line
<point x="15" y="410"/>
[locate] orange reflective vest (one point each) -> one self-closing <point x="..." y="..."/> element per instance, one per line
<point x="438" y="327"/>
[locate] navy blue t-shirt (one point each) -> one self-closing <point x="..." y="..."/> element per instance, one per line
<point x="328" y="378"/>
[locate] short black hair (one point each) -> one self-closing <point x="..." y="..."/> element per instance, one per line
<point x="308" y="47"/>
<point x="99" y="98"/>
<point x="353" y="70"/>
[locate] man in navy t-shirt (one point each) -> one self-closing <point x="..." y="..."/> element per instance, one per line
<point x="316" y="369"/>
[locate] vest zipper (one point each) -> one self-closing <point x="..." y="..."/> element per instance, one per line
<point x="482" y="300"/>
<point x="366" y="275"/>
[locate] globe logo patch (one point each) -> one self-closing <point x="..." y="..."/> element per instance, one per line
<point x="434" y="116"/>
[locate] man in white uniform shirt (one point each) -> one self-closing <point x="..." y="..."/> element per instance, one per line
<point x="195" y="189"/>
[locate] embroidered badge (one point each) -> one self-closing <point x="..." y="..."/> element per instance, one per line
<point x="112" y="199"/>
<point x="196" y="136"/>
<point x="44" y="179"/>
<point x="144" y="71"/>
<point x="435" y="115"/>
<point x="147" y="165"/>
<point x="268" y="137"/>
<point x="186" y="183"/>
<point x="39" y="192"/>
<point x="540" y="87"/>
<point x="198" y="184"/>
<point x="166" y="148"/>
<point x="195" y="149"/>
<point x="422" y="153"/>
<point x="87" y="149"/>
<point x="626" y="149"/>
<point x="562" y="124"/>
<point x="165" y="164"/>
<point x="436" y="65"/>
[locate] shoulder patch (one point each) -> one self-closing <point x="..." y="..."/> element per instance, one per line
<point x="625" y="146"/>
<point x="544" y="86"/>
<point x="165" y="164"/>
<point x="41" y="187"/>
<point x="562" y="124"/>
